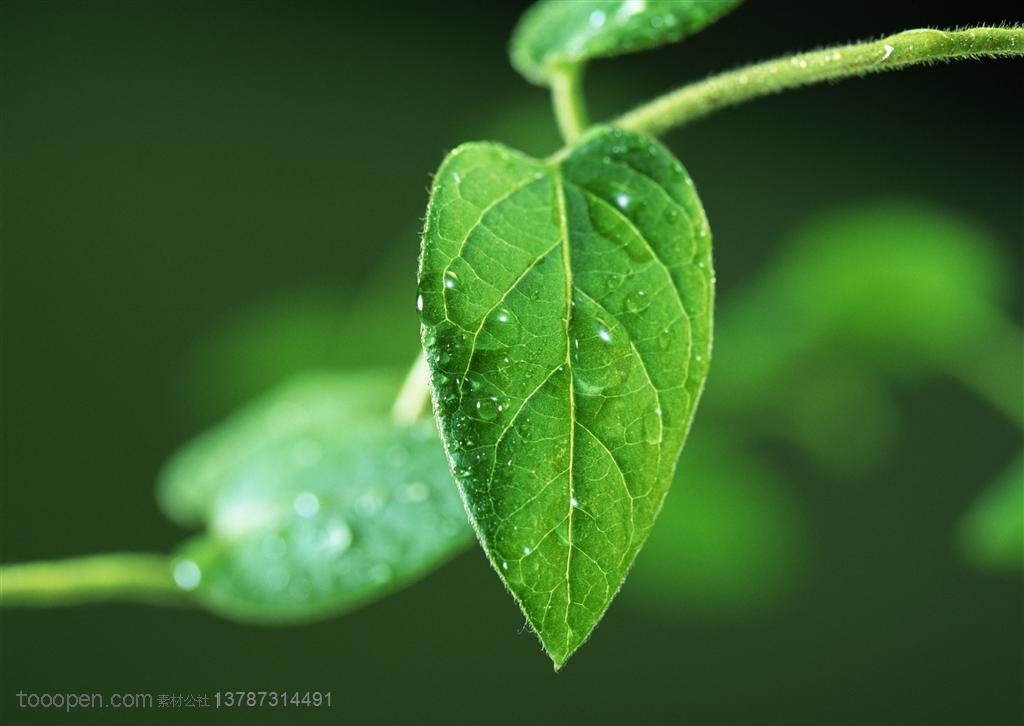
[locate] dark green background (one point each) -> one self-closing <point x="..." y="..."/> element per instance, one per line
<point x="166" y="167"/>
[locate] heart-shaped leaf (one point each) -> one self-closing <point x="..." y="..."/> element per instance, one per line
<point x="566" y="307"/>
<point x="555" y="34"/>
<point x="314" y="502"/>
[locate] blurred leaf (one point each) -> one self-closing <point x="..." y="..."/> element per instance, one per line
<point x="898" y="281"/>
<point x="258" y="346"/>
<point x="992" y="533"/>
<point x="191" y="480"/>
<point x="314" y="502"/>
<point x="901" y="286"/>
<point x="841" y="415"/>
<point x="557" y="33"/>
<point x="857" y="294"/>
<point x="730" y="540"/>
<point x="567" y="314"/>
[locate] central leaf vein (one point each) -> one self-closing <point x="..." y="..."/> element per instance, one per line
<point x="563" y="218"/>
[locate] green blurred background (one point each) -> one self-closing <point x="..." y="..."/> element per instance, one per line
<point x="199" y="199"/>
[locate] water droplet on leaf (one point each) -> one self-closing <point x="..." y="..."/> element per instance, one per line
<point x="187" y="574"/>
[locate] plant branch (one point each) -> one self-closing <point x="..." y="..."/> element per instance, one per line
<point x="414" y="396"/>
<point x="567" y="98"/>
<point x="896" y="51"/>
<point x="95" y="578"/>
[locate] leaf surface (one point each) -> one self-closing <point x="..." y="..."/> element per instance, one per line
<point x="560" y="33"/>
<point x="566" y="309"/>
<point x="314" y="502"/>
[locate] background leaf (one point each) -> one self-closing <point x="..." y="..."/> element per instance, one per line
<point x="929" y="283"/>
<point x="731" y="538"/>
<point x="557" y="33"/>
<point x="314" y="502"/>
<point x="992" y="533"/>
<point x="567" y="319"/>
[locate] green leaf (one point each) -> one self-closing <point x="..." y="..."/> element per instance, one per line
<point x="314" y="502"/>
<point x="555" y="34"/>
<point x="566" y="309"/>
<point x="992" y="533"/>
<point x="193" y="477"/>
<point x="928" y="283"/>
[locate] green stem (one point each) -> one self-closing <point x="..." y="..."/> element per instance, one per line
<point x="896" y="51"/>
<point x="95" y="578"/>
<point x="567" y="98"/>
<point x="414" y="396"/>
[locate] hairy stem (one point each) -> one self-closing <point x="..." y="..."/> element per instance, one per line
<point x="95" y="578"/>
<point x="414" y="396"/>
<point x="567" y="98"/>
<point x="896" y="51"/>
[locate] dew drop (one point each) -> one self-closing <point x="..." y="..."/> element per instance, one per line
<point x="597" y="19"/>
<point x="602" y="331"/>
<point x="526" y="550"/>
<point x="665" y="338"/>
<point x="419" y="303"/>
<point x="187" y="574"/>
<point x="507" y="323"/>
<point x="339" y="536"/>
<point x="613" y="281"/>
<point x="488" y="409"/>
<point x="306" y="504"/>
<point x="637" y="301"/>
<point x="623" y="201"/>
<point x="450" y="280"/>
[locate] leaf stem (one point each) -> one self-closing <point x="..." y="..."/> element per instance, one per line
<point x="895" y="51"/>
<point x="94" y="578"/>
<point x="414" y="396"/>
<point x="567" y="98"/>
